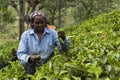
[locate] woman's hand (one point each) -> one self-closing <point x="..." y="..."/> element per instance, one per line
<point x="34" y="58"/>
<point x="61" y="35"/>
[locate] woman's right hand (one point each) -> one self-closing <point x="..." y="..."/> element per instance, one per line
<point x="34" y="58"/>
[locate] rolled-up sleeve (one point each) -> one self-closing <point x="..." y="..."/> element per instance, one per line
<point x="56" y="41"/>
<point x="22" y="49"/>
<point x="67" y="43"/>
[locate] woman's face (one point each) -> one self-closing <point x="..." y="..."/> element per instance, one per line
<point x="39" y="24"/>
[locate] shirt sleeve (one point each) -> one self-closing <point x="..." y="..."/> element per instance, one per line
<point x="67" y="43"/>
<point x="56" y="41"/>
<point x="22" y="49"/>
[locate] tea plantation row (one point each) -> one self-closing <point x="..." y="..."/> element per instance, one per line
<point x="94" y="54"/>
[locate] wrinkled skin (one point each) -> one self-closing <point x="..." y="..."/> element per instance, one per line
<point x="39" y="24"/>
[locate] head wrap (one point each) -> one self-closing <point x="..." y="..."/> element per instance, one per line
<point x="36" y="13"/>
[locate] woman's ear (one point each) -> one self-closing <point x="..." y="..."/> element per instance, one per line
<point x="31" y="25"/>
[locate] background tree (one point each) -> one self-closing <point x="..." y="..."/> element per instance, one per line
<point x="55" y="10"/>
<point x="87" y="9"/>
<point x="23" y="8"/>
<point x="60" y="12"/>
<point x="6" y="16"/>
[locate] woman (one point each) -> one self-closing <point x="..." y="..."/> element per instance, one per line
<point x="37" y="44"/>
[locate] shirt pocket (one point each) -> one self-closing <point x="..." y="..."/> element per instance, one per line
<point x="33" y="47"/>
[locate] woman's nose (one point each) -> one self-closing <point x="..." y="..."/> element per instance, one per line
<point x="39" y="24"/>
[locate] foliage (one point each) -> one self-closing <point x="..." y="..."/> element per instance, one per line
<point x="6" y="15"/>
<point x="3" y="5"/>
<point x="59" y="12"/>
<point x="14" y="71"/>
<point x="8" y="52"/>
<point x="87" y="9"/>
<point x="94" y="54"/>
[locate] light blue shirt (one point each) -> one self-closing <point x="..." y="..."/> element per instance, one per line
<point x="30" y="44"/>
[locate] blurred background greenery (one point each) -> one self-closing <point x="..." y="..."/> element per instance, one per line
<point x="61" y="13"/>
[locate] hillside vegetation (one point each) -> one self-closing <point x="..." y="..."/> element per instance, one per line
<point x="94" y="54"/>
